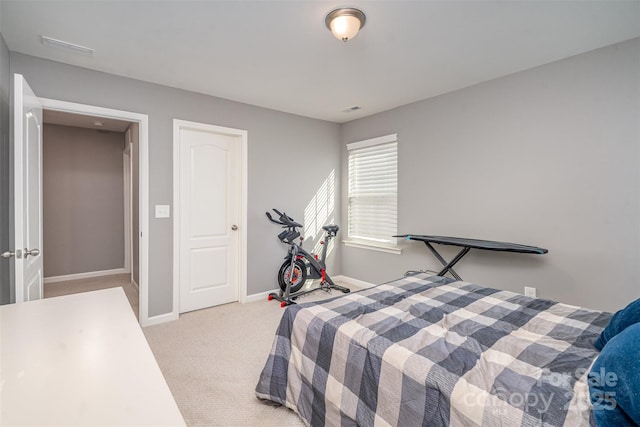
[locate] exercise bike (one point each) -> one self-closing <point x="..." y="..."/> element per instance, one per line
<point x="299" y="265"/>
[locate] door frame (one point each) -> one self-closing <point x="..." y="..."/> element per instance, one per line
<point x="143" y="200"/>
<point x="127" y="169"/>
<point x="242" y="226"/>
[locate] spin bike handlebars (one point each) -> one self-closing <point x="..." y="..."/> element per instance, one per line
<point x="284" y="220"/>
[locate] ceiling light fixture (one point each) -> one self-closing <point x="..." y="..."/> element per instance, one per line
<point x="345" y="23"/>
<point x="75" y="48"/>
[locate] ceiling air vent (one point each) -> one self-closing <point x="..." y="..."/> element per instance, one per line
<point x="352" y="109"/>
<point x="61" y="44"/>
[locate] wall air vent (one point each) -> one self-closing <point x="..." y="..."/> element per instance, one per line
<point x="71" y="47"/>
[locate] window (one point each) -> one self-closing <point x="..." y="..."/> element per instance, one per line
<point x="373" y="191"/>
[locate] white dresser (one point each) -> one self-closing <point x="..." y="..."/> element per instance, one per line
<point x="80" y="360"/>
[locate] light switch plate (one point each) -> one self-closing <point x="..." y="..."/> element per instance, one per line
<point x="163" y="211"/>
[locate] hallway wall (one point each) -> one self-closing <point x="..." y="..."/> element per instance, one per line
<point x="83" y="201"/>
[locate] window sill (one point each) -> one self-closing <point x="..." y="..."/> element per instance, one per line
<point x="371" y="246"/>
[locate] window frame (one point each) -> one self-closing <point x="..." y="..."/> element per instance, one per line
<point x="392" y="245"/>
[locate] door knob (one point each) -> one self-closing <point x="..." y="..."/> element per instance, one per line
<point x="32" y="252"/>
<point x="9" y="254"/>
<point x="234" y="227"/>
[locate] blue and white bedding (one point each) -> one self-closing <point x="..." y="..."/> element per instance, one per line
<point x="429" y="351"/>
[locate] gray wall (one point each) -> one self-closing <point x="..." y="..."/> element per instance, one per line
<point x="546" y="157"/>
<point x="83" y="200"/>
<point x="280" y="145"/>
<point x="5" y="172"/>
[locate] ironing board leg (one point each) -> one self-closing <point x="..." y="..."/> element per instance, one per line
<point x="448" y="267"/>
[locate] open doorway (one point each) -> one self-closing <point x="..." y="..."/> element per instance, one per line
<point x="27" y="269"/>
<point x="90" y="204"/>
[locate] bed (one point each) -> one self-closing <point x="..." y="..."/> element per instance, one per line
<point x="432" y="351"/>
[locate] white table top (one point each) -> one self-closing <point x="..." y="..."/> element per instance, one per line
<point x="80" y="360"/>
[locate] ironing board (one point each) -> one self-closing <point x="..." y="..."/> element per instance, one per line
<point x="467" y="245"/>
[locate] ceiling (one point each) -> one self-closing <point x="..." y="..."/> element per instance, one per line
<point x="279" y="54"/>
<point x="81" y="121"/>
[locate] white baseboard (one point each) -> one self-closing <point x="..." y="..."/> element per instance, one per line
<point x="88" y="275"/>
<point x="345" y="280"/>
<point x="160" y="318"/>
<point x="260" y="296"/>
<point x="135" y="285"/>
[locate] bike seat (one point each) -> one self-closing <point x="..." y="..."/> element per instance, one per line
<point x="333" y="229"/>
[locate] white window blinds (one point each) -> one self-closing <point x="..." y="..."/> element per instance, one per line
<point x="373" y="190"/>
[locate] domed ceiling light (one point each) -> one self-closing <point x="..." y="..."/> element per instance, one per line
<point x="345" y="23"/>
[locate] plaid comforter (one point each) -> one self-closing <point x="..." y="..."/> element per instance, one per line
<point x="431" y="352"/>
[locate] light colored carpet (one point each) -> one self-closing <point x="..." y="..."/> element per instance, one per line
<point x="94" y="284"/>
<point x="212" y="359"/>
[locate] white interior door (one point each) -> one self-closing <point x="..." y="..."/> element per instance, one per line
<point x="28" y="192"/>
<point x="209" y="215"/>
